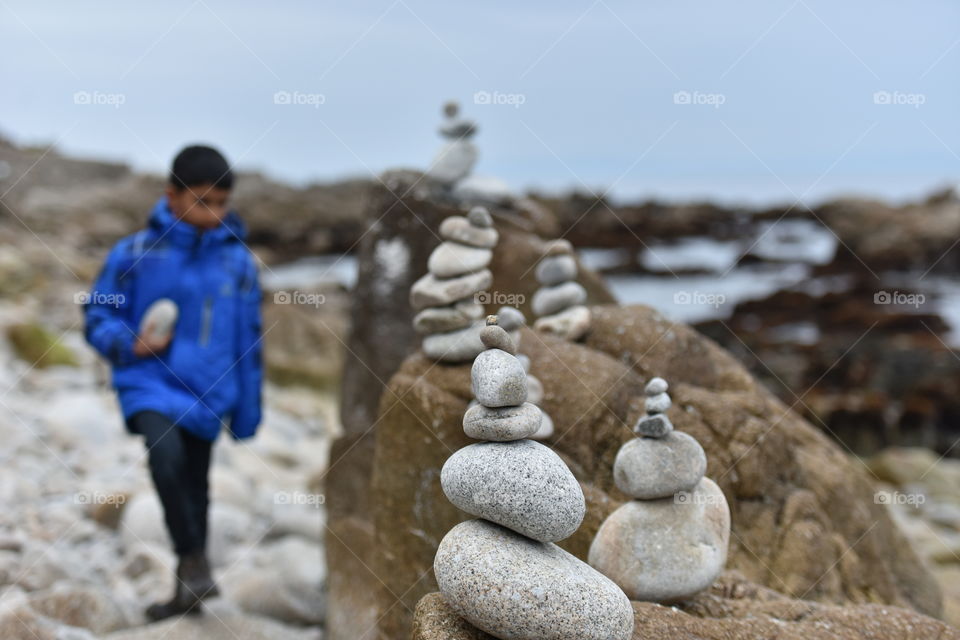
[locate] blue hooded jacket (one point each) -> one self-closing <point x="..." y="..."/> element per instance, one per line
<point x="211" y="373"/>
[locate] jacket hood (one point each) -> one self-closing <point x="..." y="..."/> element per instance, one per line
<point x="166" y="225"/>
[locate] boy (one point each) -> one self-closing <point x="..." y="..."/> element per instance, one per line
<point x="178" y="390"/>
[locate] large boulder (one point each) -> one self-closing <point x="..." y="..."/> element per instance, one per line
<point x="733" y="609"/>
<point x="804" y="518"/>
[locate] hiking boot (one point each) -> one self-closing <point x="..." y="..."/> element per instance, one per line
<point x="194" y="583"/>
<point x="194" y="573"/>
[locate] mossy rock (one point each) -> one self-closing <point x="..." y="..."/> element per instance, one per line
<point x="39" y="347"/>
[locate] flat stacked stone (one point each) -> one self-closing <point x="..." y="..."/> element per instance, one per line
<point x="448" y="313"/>
<point x="670" y="541"/>
<point x="502" y="572"/>
<point x="559" y="302"/>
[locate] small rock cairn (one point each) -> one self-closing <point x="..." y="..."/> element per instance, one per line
<point x="502" y="572"/>
<point x="559" y="302"/>
<point x="456" y="158"/>
<point x="449" y="315"/>
<point x="670" y="541"/>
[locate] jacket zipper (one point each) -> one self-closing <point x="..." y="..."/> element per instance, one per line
<point x="206" y="321"/>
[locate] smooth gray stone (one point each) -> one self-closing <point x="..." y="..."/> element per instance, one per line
<point x="494" y="337"/>
<point x="534" y="389"/>
<point x="480" y="217"/>
<point x="441" y="320"/>
<point x="658" y="403"/>
<point x="510" y="318"/>
<point x="524" y="361"/>
<point x="459" y="229"/>
<point x="656" y="386"/>
<point x="502" y="425"/>
<point x="430" y="291"/>
<point x="451" y="259"/>
<point x="462" y="345"/>
<point x="651" y="468"/>
<point x="569" y="324"/>
<point x="546" y="427"/>
<point x="498" y="379"/>
<point x="521" y="485"/>
<point x="665" y="550"/>
<point x="550" y="300"/>
<point x="655" y="426"/>
<point x="517" y="589"/>
<point x="556" y="269"/>
<point x="453" y="161"/>
<point x="159" y="318"/>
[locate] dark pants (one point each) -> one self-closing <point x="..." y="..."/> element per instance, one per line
<point x="179" y="464"/>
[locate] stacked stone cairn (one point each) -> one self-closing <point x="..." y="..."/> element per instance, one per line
<point x="559" y="302"/>
<point x="456" y="158"/>
<point x="670" y="541"/>
<point x="502" y="572"/>
<point x="511" y="320"/>
<point x="449" y="315"/>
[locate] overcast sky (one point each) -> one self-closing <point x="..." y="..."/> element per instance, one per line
<point x="780" y="95"/>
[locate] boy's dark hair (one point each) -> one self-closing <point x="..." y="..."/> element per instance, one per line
<point x="197" y="165"/>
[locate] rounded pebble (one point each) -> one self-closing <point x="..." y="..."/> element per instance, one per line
<point x="459" y="229"/>
<point x="451" y="259"/>
<point x="503" y="424"/>
<point x="522" y="485"/>
<point x="658" y="403"/>
<point x="498" y="379"/>
<point x="517" y="589"/>
<point x="548" y="300"/>
<point x="648" y="468"/>
<point x="556" y="269"/>
<point x="494" y="337"/>
<point x="480" y="217"/>
<point x="665" y="550"/>
<point x="656" y="386"/>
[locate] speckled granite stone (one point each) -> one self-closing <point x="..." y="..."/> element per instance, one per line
<point x="498" y="379"/>
<point x="665" y="550"/>
<point x="518" y="589"/>
<point x="649" y="468"/>
<point x="503" y="424"/>
<point x="522" y="485"/>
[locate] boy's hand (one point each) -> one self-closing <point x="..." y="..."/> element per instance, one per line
<point x="149" y="343"/>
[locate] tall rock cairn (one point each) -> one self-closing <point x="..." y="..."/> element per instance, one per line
<point x="502" y="572"/>
<point x="448" y="313"/>
<point x="559" y="302"/>
<point x="670" y="541"/>
<point x="456" y="158"/>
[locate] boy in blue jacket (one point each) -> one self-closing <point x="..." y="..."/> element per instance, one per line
<point x="178" y="391"/>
